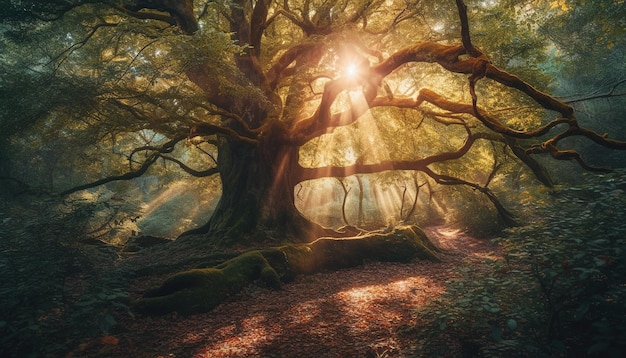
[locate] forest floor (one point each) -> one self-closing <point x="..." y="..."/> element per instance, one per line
<point x="365" y="311"/>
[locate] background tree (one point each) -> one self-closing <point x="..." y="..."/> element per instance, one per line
<point x="269" y="94"/>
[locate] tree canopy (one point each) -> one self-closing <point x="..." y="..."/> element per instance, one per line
<point x="278" y="138"/>
<point x="270" y="96"/>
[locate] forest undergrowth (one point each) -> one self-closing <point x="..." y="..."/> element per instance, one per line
<point x="558" y="290"/>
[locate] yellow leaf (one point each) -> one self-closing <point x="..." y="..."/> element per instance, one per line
<point x="562" y="4"/>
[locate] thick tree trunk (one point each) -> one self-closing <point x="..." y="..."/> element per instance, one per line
<point x="237" y="212"/>
<point x="257" y="201"/>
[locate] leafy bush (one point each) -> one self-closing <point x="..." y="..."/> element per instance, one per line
<point x="474" y="213"/>
<point x="576" y="254"/>
<point x="560" y="290"/>
<point x="490" y="312"/>
<point x="50" y="295"/>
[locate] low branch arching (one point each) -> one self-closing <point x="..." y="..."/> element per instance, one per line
<point x="127" y="176"/>
<point x="156" y="153"/>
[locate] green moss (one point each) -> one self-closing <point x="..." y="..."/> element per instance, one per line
<point x="300" y="259"/>
<point x="201" y="290"/>
<point x="277" y="259"/>
<point x="198" y="290"/>
<point x="270" y="278"/>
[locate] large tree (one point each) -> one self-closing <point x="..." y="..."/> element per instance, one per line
<point x="262" y="86"/>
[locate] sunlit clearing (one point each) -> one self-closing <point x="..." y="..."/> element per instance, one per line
<point x="173" y="190"/>
<point x="388" y="203"/>
<point x="320" y="201"/>
<point x="324" y="212"/>
<point x="174" y="210"/>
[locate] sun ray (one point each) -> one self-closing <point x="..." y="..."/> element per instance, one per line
<point x="352" y="143"/>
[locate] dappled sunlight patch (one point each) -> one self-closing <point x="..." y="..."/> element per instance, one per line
<point x="243" y="338"/>
<point x="449" y="232"/>
<point x="363" y="297"/>
<point x="445" y="237"/>
<point x="385" y="305"/>
<point x="304" y="312"/>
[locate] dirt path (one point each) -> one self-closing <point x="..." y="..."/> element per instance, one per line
<point x="355" y="312"/>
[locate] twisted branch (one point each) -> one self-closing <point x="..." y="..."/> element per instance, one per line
<point x="157" y="152"/>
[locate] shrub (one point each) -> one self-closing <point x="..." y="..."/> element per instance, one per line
<point x="51" y="295"/>
<point x="560" y="290"/>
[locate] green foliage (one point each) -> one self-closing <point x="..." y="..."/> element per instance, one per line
<point x="576" y="255"/>
<point x="483" y="314"/>
<point x="27" y="97"/>
<point x="560" y="290"/>
<point x="474" y="213"/>
<point x="34" y="10"/>
<point x="53" y="294"/>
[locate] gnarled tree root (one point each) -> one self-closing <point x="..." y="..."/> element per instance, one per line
<point x="201" y="290"/>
